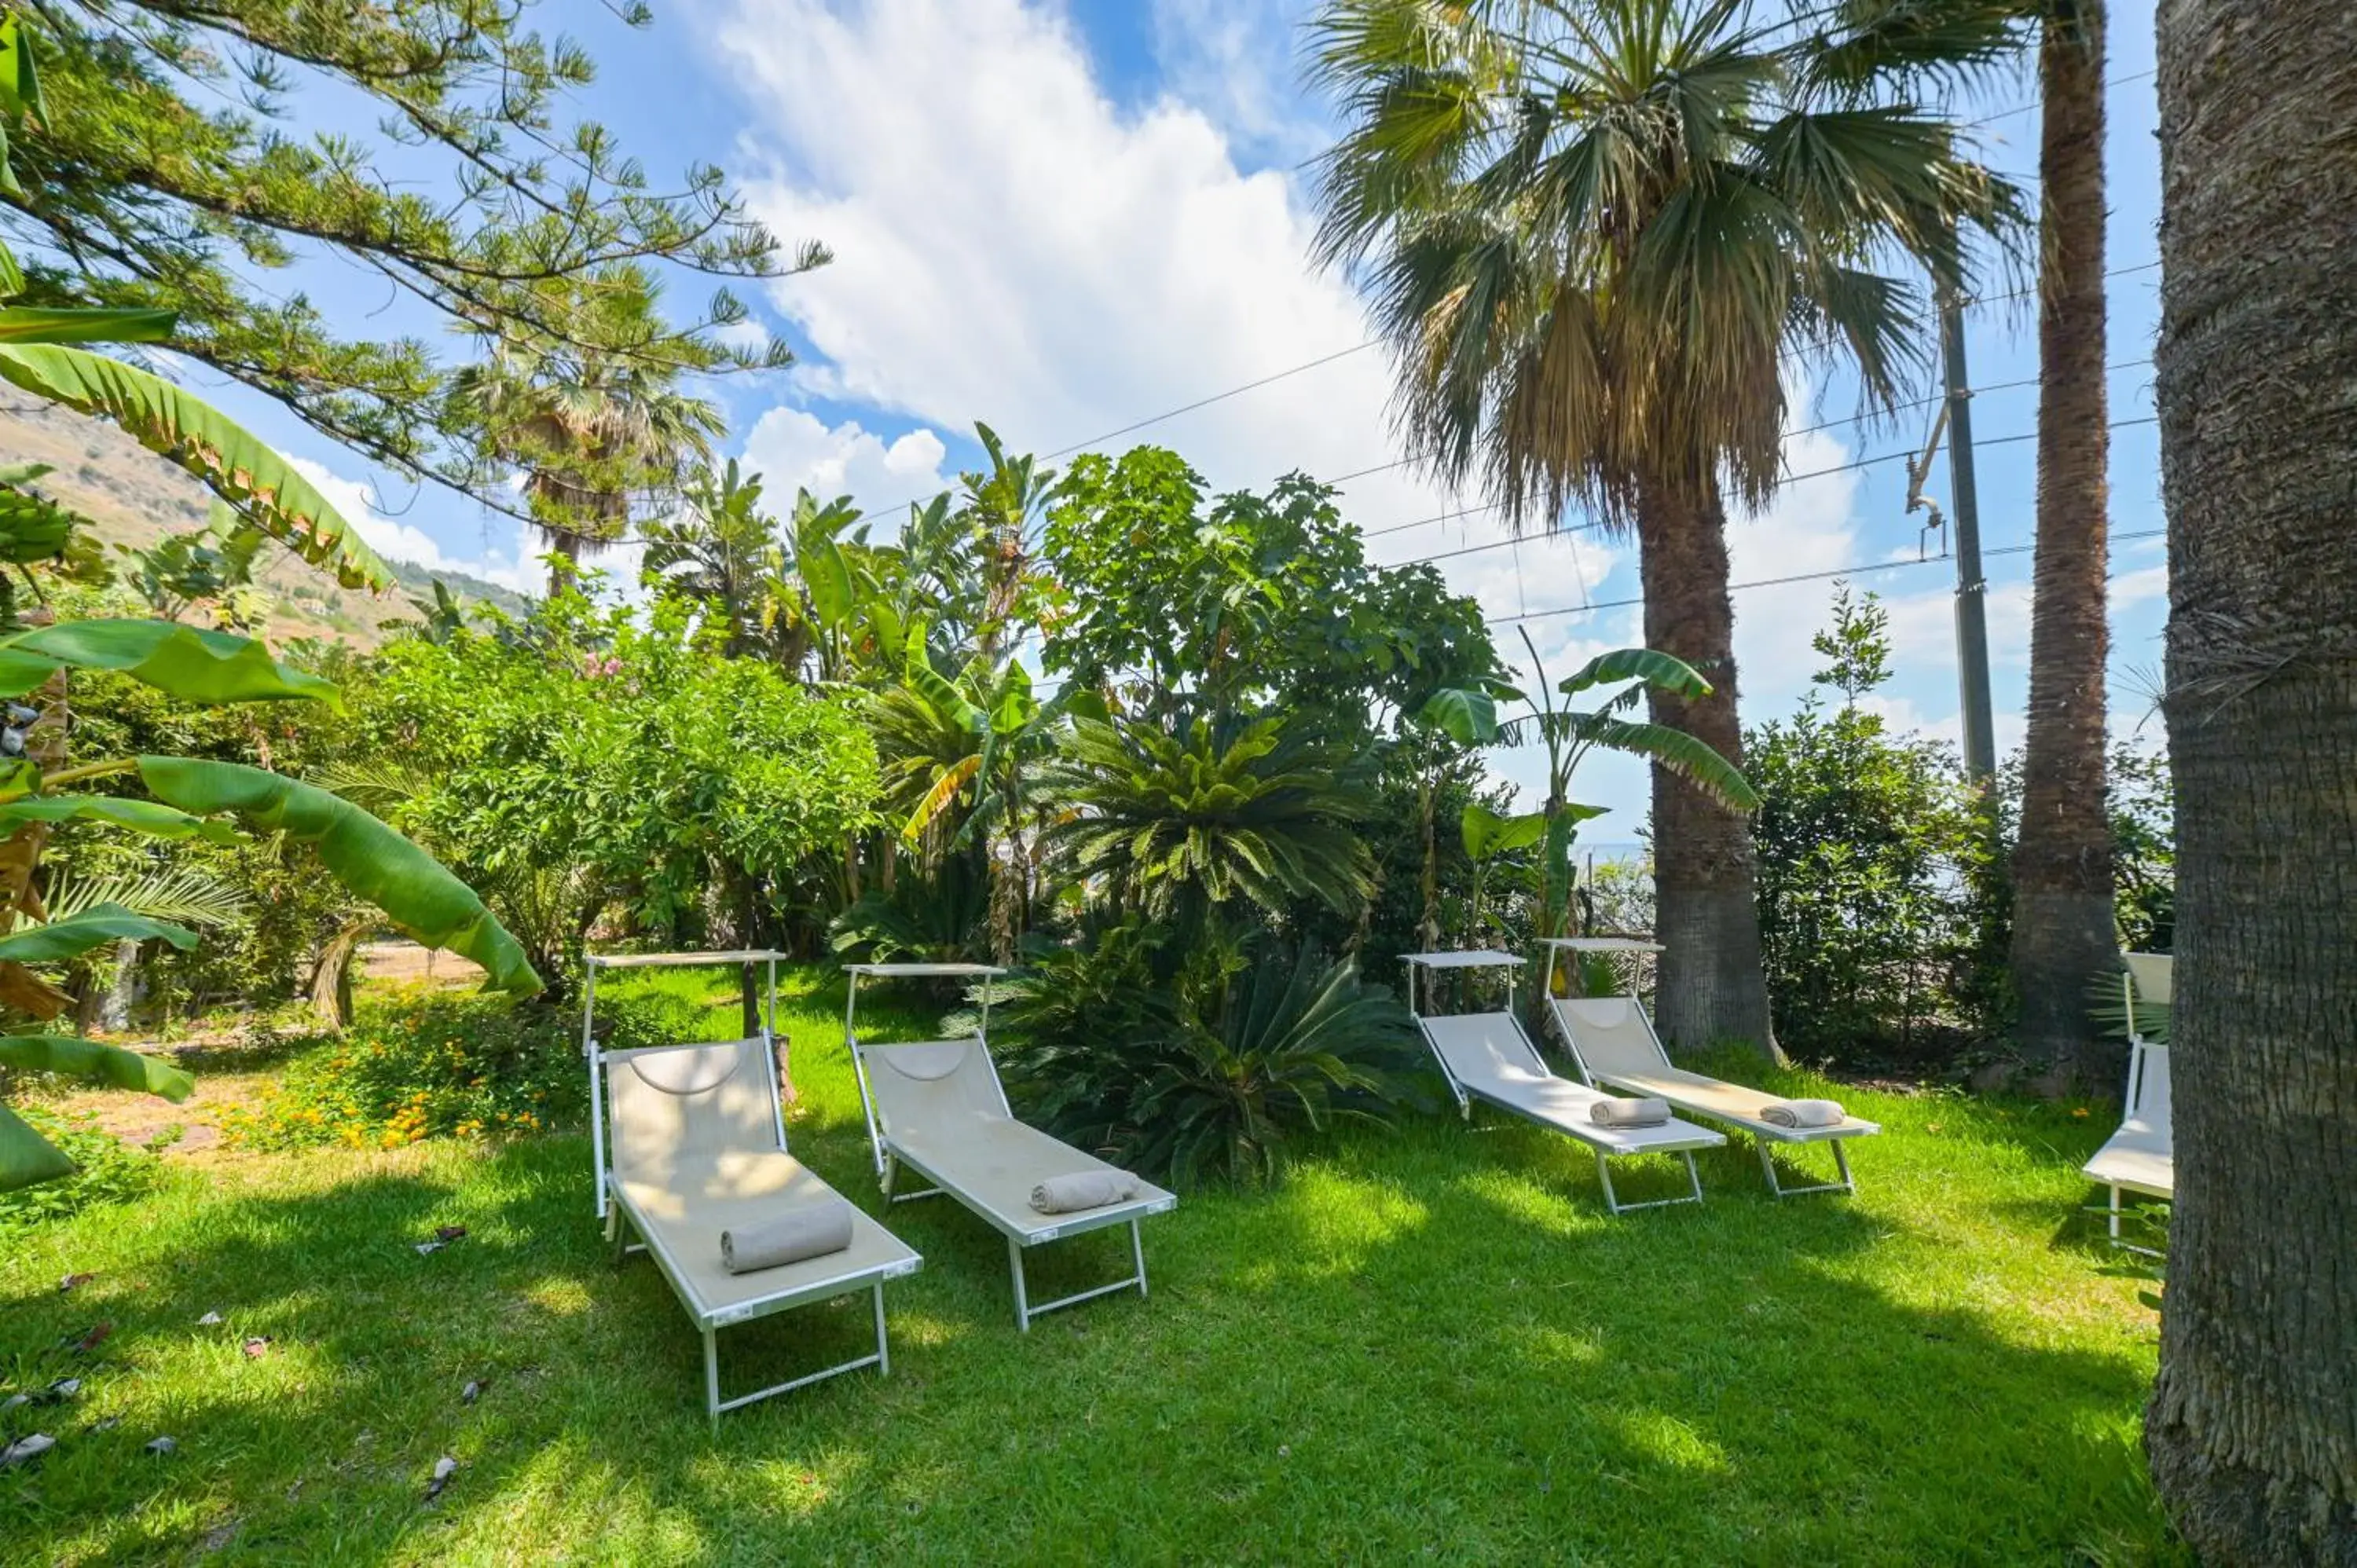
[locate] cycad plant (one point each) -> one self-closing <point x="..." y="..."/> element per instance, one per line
<point x="1225" y="813"/>
<point x="1599" y="236"/>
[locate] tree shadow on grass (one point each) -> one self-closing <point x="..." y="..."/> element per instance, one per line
<point x="1430" y="1343"/>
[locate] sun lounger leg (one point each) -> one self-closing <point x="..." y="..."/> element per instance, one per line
<point x="711" y="1378"/>
<point x="1613" y="1201"/>
<point x="1137" y="1253"/>
<point x="1022" y="1309"/>
<point x="2116" y="1216"/>
<point x="883" y="1351"/>
<point x="1841" y="1163"/>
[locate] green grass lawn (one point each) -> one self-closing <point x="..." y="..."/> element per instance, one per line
<point x="1428" y="1345"/>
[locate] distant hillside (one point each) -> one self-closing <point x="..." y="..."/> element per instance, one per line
<point x="136" y="498"/>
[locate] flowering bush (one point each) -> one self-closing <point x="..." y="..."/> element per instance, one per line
<point x="419" y="1064"/>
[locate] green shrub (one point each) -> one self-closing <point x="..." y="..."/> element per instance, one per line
<point x="1881" y="915"/>
<point x="107" y="1170"/>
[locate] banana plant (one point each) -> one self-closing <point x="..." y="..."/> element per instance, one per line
<point x="996" y="731"/>
<point x="1569" y="735"/>
<point x="258" y="492"/>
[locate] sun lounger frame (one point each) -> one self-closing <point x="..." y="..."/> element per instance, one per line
<point x="891" y="1157"/>
<point x="623" y="1219"/>
<point x="1763" y="1132"/>
<point x="2149" y="973"/>
<point x="1467" y="1093"/>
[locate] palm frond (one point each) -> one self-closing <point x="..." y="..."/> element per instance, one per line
<point x="189" y="897"/>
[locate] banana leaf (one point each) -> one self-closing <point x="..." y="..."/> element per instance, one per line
<point x="237" y="466"/>
<point x="365" y="856"/>
<point x="77" y="934"/>
<point x="1466" y="716"/>
<point x="26" y="1157"/>
<point x="77" y="1058"/>
<point x="179" y="660"/>
<point x="31" y="324"/>
<point x="141" y="816"/>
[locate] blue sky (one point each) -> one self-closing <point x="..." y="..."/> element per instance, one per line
<point x="1061" y="219"/>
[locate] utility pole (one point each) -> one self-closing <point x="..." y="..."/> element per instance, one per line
<point x="1972" y="587"/>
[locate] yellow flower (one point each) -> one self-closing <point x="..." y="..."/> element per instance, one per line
<point x="2080" y="1112"/>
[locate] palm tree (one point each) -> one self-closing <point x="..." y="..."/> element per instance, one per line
<point x="1593" y="233"/>
<point x="2063" y="926"/>
<point x="2249" y="1428"/>
<point x="596" y="426"/>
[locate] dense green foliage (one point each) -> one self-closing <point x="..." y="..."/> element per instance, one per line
<point x="597" y="763"/>
<point x="1879" y="906"/>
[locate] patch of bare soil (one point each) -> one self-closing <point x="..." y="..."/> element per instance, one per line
<point x="410" y="963"/>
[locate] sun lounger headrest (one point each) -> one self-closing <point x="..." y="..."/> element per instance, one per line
<point x="1603" y="1012"/>
<point x="695" y="1070"/>
<point x="926" y="1061"/>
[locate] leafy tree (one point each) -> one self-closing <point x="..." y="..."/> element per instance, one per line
<point x="722" y="551"/>
<point x="1855" y="647"/>
<point x="2250" y="1426"/>
<point x="460" y="183"/>
<point x="602" y="763"/>
<point x="1594" y="234"/>
<point x="1874" y="907"/>
<point x="1175" y="601"/>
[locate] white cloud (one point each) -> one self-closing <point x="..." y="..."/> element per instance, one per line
<point x="793" y="449"/>
<point x="1237" y="62"/>
<point x="515" y="567"/>
<point x="1012" y="247"/>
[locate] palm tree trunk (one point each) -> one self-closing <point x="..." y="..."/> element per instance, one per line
<point x="2062" y="932"/>
<point x="2253" y="1426"/>
<point x="1706" y="914"/>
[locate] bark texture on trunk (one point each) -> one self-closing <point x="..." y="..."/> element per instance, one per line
<point x="2253" y="1426"/>
<point x="1706" y="910"/>
<point x="2063" y="931"/>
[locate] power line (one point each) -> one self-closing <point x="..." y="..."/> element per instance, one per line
<point x="1851" y="466"/>
<point x="1853" y="570"/>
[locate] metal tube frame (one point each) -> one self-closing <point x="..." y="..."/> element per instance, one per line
<point x="1604" y="1175"/>
<point x="1025" y="1312"/>
<point x="1847" y="1184"/>
<point x="714" y="1404"/>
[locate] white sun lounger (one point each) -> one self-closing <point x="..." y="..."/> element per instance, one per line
<point x="1486" y="1057"/>
<point x="689" y="1142"/>
<point x="937" y="1107"/>
<point x="2141" y="1156"/>
<point x="1613" y="1041"/>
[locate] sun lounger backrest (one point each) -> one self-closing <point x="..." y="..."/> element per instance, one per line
<point x="930" y="1083"/>
<point x="2151" y="1087"/>
<point x="1609" y="1034"/>
<point x="1481" y="1047"/>
<point x="667" y="1107"/>
<point x="2153" y="974"/>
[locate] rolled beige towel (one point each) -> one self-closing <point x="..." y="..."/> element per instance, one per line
<point x="1804" y="1112"/>
<point x="1630" y="1112"/>
<point x="1083" y="1190"/>
<point x="810" y="1232"/>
